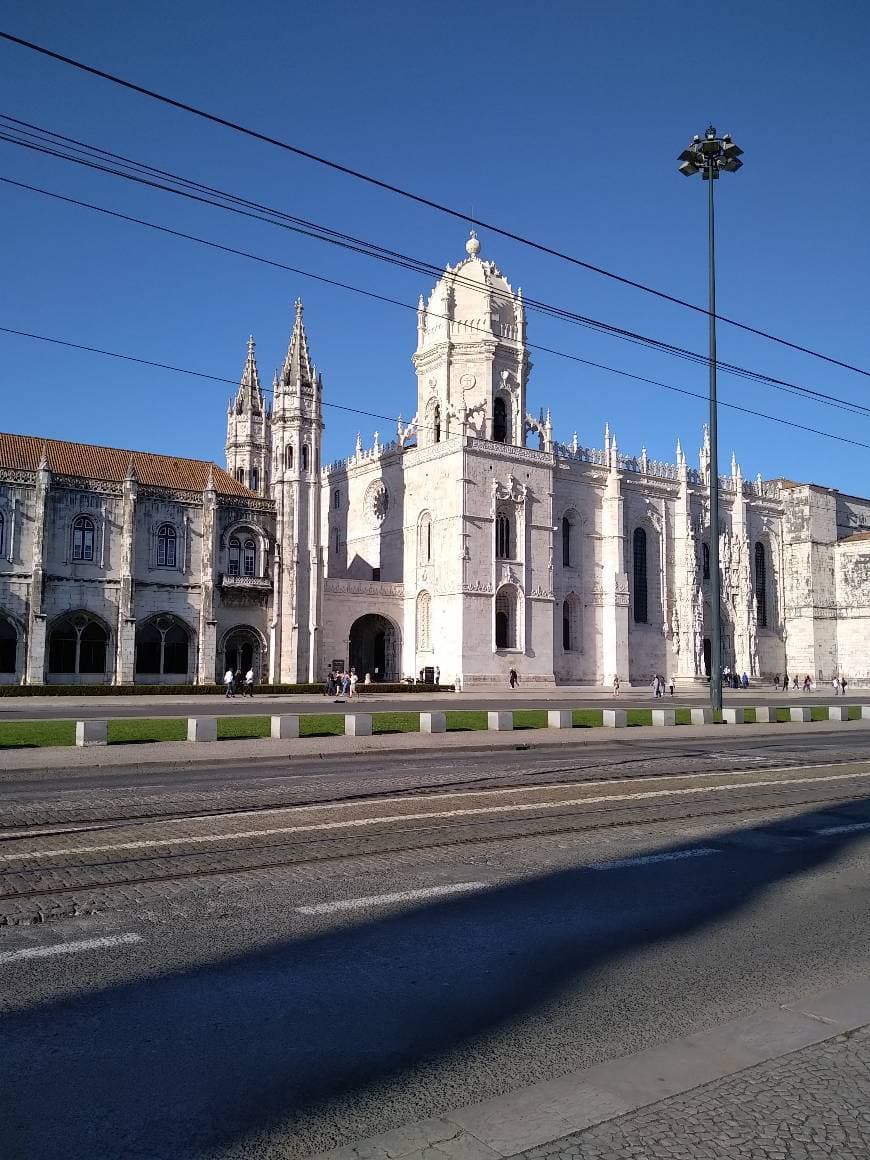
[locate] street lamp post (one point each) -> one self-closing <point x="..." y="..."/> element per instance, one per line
<point x="708" y="155"/>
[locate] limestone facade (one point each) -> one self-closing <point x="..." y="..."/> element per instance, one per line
<point x="469" y="544"/>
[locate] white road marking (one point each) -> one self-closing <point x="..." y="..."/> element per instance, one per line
<point x="646" y="859"/>
<point x="70" y="948"/>
<point x="388" y="899"/>
<point x="845" y="829"/>
<point x="475" y="811"/>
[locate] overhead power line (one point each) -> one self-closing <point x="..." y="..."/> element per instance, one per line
<point x="389" y="187"/>
<point x="36" y="137"/>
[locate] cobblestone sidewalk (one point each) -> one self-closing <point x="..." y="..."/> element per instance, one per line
<point x="814" y="1103"/>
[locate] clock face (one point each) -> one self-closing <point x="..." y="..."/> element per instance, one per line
<point x="377" y="501"/>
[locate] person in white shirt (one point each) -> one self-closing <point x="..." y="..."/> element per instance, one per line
<point x="229" y="681"/>
<point x="249" y="683"/>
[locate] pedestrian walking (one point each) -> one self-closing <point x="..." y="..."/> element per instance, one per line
<point x="329" y="685"/>
<point x="249" y="683"/>
<point x="808" y="684"/>
<point x="514" y="678"/>
<point x="345" y="684"/>
<point x="353" y="682"/>
<point x="843" y="685"/>
<point x="744" y="680"/>
<point x="229" y="682"/>
<point x="237" y="681"/>
<point x="776" y="681"/>
<point x="437" y="675"/>
<point x="616" y="686"/>
<point x="672" y="684"/>
<point x="795" y="683"/>
<point x="835" y="685"/>
<point x="785" y="682"/>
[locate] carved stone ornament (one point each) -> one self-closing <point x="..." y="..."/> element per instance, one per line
<point x="377" y="502"/>
<point x="511" y="492"/>
<point x="467" y="382"/>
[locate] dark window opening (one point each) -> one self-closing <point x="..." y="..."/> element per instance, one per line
<point x="376" y="573"/>
<point x="83" y="539"/>
<point x="761" y="585"/>
<point x="305" y="456"/>
<point x="705" y="561"/>
<point x="499" y="421"/>
<point x="502" y="629"/>
<point x="502" y="537"/>
<point x="235" y="561"/>
<point x="566" y="626"/>
<point x="8" y="647"/>
<point x="640" y="576"/>
<point x="250" y="558"/>
<point x="437" y="421"/>
<point x="566" y="542"/>
<point x="166" y="546"/>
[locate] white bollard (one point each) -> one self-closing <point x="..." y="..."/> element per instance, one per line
<point x="702" y="716"/>
<point x="800" y="713"/>
<point x="496" y="722"/>
<point x="358" y="725"/>
<point x="433" y="722"/>
<point x="766" y="714"/>
<point x="560" y="719"/>
<point x="615" y="718"/>
<point x="202" y="728"/>
<point x="92" y="732"/>
<point x="865" y="712"/>
<point x="664" y="717"/>
<point x="284" y="726"/>
<point x="733" y="716"/>
<point x="838" y="712"/>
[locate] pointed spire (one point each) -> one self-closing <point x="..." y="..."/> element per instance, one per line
<point x="132" y="475"/>
<point x="298" y="372"/>
<point x="644" y="460"/>
<point x="734" y="468"/>
<point x="209" y="483"/>
<point x="358" y="448"/>
<point x="679" y="451"/>
<point x="43" y="459"/>
<point x="575" y="443"/>
<point x="250" y="393"/>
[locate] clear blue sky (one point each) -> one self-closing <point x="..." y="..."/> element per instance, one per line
<point x="561" y="121"/>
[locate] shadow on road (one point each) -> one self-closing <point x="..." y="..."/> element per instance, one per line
<point x="195" y="1061"/>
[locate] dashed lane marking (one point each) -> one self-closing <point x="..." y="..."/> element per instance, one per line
<point x="844" y="829"/>
<point x="647" y="859"/>
<point x="440" y="815"/>
<point x="70" y="948"/>
<point x="388" y="899"/>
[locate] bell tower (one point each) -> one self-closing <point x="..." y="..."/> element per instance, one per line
<point x="297" y="429"/>
<point x="471" y="359"/>
<point x="247" y="448"/>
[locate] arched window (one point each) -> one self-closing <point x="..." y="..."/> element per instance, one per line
<point x="235" y="560"/>
<point x="83" y="539"/>
<point x="249" y="559"/>
<point x="639" y="590"/>
<point x="166" y="546"/>
<point x="336" y="540"/>
<point x="705" y="561"/>
<point x="567" y="543"/>
<point x="255" y="479"/>
<point x="424" y="539"/>
<point x="78" y="645"/>
<point x="570" y="624"/>
<point x="436" y="423"/>
<point x="761" y="584"/>
<point x="240" y="475"/>
<point x="8" y="646"/>
<point x="499" y="421"/>
<point x="161" y="647"/>
<point x="288" y="456"/>
<point x="305" y="456"/>
<point x="2" y="532"/>
<point x="424" y="625"/>
<point x="566" y="626"/>
<point x="336" y="499"/>
<point x="506" y="617"/>
<point x="503" y="538"/>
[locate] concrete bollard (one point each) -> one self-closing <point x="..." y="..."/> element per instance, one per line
<point x="766" y="714"/>
<point x="92" y="732"/>
<point x="560" y="719"/>
<point x="800" y="713"/>
<point x="664" y="717"/>
<point x="702" y="716"/>
<point x="615" y="718"/>
<point x="865" y="712"/>
<point x="358" y="725"/>
<point x="499" y="721"/>
<point x="433" y="722"/>
<point x="838" y="712"/>
<point x="202" y="728"/>
<point x="284" y="726"/>
<point x="733" y="716"/>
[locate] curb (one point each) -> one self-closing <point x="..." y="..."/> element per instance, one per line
<point x="544" y="1112"/>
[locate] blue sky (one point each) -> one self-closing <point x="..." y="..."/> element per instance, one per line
<point x="560" y="121"/>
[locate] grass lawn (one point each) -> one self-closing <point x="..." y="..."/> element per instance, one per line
<point x="321" y="725"/>
<point x="458" y="719"/>
<point x="124" y="730"/>
<point x="586" y="718"/>
<point x="31" y="734"/>
<point x="240" y="728"/>
<point x="395" y="723"/>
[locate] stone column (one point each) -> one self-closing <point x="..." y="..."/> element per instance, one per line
<point x="126" y="632"/>
<point x="35" y="671"/>
<point x="687" y="651"/>
<point x="614" y="645"/>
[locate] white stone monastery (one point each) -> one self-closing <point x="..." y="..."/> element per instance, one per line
<point x="455" y="548"/>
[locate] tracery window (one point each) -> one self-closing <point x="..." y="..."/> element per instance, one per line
<point x="305" y="456"/>
<point x="235" y="558"/>
<point x="503" y="537"/>
<point x="255" y="479"/>
<point x="166" y="546"/>
<point x="424" y="625"/>
<point x="639" y="592"/>
<point x="240" y="475"/>
<point x="506" y="617"/>
<point x="570" y="624"/>
<point x="161" y="647"/>
<point x="424" y="539"/>
<point x="77" y="645"/>
<point x="761" y="584"/>
<point x="499" y="421"/>
<point x="288" y="456"/>
<point x="83" y="539"/>
<point x="249" y="559"/>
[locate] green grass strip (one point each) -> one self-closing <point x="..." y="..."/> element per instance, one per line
<point x="587" y="718"/>
<point x="321" y="725"/>
<point x="133" y="730"/>
<point x="239" y="728"/>
<point x="395" y="723"/>
<point x="459" y="719"/>
<point x="35" y="734"/>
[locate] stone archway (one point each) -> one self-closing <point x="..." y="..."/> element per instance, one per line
<point x="242" y="650"/>
<point x="373" y="647"/>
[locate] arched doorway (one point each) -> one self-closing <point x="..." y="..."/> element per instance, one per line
<point x="243" y="650"/>
<point x="374" y="647"/>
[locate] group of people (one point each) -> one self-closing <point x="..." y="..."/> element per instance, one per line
<point x="234" y="683"/>
<point x="732" y="681"/>
<point x="838" y="684"/>
<point x="658" y="685"/>
<point x="342" y="683"/>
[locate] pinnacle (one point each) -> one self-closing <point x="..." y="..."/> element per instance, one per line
<point x="298" y="371"/>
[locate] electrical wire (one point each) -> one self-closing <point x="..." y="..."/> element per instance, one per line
<point x="419" y="199"/>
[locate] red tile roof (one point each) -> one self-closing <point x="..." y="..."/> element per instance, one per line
<point x="24" y="453"/>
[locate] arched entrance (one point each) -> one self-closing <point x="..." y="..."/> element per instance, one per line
<point x="374" y="648"/>
<point x="243" y="650"/>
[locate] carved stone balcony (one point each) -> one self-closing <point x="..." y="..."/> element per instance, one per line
<point x="246" y="583"/>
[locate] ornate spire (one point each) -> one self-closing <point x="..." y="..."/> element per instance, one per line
<point x="43" y="459"/>
<point x="209" y="483"/>
<point x="132" y="474"/>
<point x="298" y="373"/>
<point x="250" y="393"/>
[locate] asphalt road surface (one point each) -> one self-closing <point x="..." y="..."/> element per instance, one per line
<point x="263" y="962"/>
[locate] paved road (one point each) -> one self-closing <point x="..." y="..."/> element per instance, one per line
<point x="254" y="994"/>
<point x="59" y="708"/>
